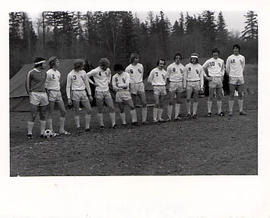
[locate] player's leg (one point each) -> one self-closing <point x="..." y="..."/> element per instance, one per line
<point x="133" y="112"/>
<point x="122" y="112"/>
<point x="99" y="102"/>
<point x="195" y="103"/>
<point x="42" y="118"/>
<point x="142" y="97"/>
<point x="188" y="100"/>
<point x="231" y="98"/>
<point x="62" y="117"/>
<point x="156" y="106"/>
<point x="161" y="105"/>
<point x="170" y="105"/>
<point x="50" y="112"/>
<point x="178" y="103"/>
<point x="109" y="103"/>
<point x="76" y="105"/>
<point x="219" y="101"/>
<point x="30" y="123"/>
<point x="86" y="104"/>
<point x="241" y="99"/>
<point x="210" y="101"/>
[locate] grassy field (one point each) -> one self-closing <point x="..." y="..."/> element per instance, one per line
<point x="206" y="146"/>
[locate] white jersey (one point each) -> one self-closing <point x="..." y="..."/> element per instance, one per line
<point x="192" y="73"/>
<point x="215" y="67"/>
<point x="77" y="80"/>
<point x="102" y="78"/>
<point x="235" y="65"/>
<point x="53" y="80"/>
<point x="175" y="72"/>
<point x="135" y="72"/>
<point x="121" y="81"/>
<point x="157" y="77"/>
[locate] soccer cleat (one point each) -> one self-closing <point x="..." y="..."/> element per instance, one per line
<point x="188" y="115"/>
<point x="114" y="126"/>
<point x="209" y="114"/>
<point x="145" y="123"/>
<point x="42" y="136"/>
<point x="242" y="113"/>
<point x="194" y="116"/>
<point x="155" y="121"/>
<point x="135" y="124"/>
<point x="221" y="114"/>
<point x="230" y="114"/>
<point x="29" y="136"/>
<point x="177" y="118"/>
<point x="64" y="133"/>
<point x="162" y="120"/>
<point x="87" y="130"/>
<point x="102" y="127"/>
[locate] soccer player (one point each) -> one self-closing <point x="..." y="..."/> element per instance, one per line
<point x="175" y="75"/>
<point x="78" y="91"/>
<point x="35" y="87"/>
<point x="120" y="83"/>
<point x="234" y="67"/>
<point x="214" y="70"/>
<point x="102" y="77"/>
<point x="135" y="70"/>
<point x="193" y="83"/>
<point x="52" y="86"/>
<point x="157" y="78"/>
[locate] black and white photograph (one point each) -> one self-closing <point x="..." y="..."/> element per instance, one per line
<point x="135" y="109"/>
<point x="133" y="93"/>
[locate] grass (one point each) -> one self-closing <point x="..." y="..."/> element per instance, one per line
<point x="206" y="146"/>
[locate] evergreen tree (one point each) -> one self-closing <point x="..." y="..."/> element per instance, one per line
<point x="251" y="28"/>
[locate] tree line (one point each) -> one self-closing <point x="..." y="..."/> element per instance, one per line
<point x="115" y="34"/>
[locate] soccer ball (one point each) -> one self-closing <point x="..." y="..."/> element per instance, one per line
<point x="48" y="133"/>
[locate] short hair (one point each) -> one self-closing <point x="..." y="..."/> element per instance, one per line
<point x="118" y="67"/>
<point x="133" y="56"/>
<point x="104" y="62"/>
<point x="161" y="59"/>
<point x="236" y="46"/>
<point x="39" y="61"/>
<point x="177" y="54"/>
<point x="194" y="55"/>
<point x="52" y="61"/>
<point x="215" y="50"/>
<point x="78" y="63"/>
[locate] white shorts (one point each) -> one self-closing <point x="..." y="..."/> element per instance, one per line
<point x="159" y="90"/>
<point x="194" y="85"/>
<point x="176" y="87"/>
<point x="122" y="96"/>
<point x="216" y="82"/>
<point x="137" y="88"/>
<point x="236" y="80"/>
<point x="79" y="95"/>
<point x="38" y="98"/>
<point x="55" y="95"/>
<point x="103" y="95"/>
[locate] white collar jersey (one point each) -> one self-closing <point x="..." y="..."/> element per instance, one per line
<point x="121" y="81"/>
<point x="102" y="78"/>
<point x="77" y="80"/>
<point x="194" y="72"/>
<point x="157" y="77"/>
<point x="235" y="65"/>
<point x="135" y="72"/>
<point x="175" y="72"/>
<point x="215" y="67"/>
<point x="53" y="80"/>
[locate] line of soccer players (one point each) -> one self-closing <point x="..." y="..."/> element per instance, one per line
<point x="43" y="88"/>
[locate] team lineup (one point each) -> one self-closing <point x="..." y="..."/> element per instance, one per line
<point x="43" y="88"/>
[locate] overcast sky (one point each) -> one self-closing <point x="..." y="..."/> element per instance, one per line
<point x="234" y="20"/>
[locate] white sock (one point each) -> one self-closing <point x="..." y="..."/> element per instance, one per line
<point x="133" y="115"/>
<point x="188" y="107"/>
<point x="62" y="124"/>
<point x="144" y="114"/>
<point x="155" y="111"/>
<point x="123" y="117"/>
<point x="160" y="111"/>
<point x="176" y="110"/>
<point x="77" y="121"/>
<point x="112" y="116"/>
<point x="49" y="124"/>
<point x="195" y="106"/>
<point x="87" y="118"/>
<point x="219" y="105"/>
<point x="209" y="106"/>
<point x="231" y="102"/>
<point x="240" y="103"/>
<point x="100" y="119"/>
<point x="169" y="109"/>
<point x="30" y="126"/>
<point x="42" y="126"/>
